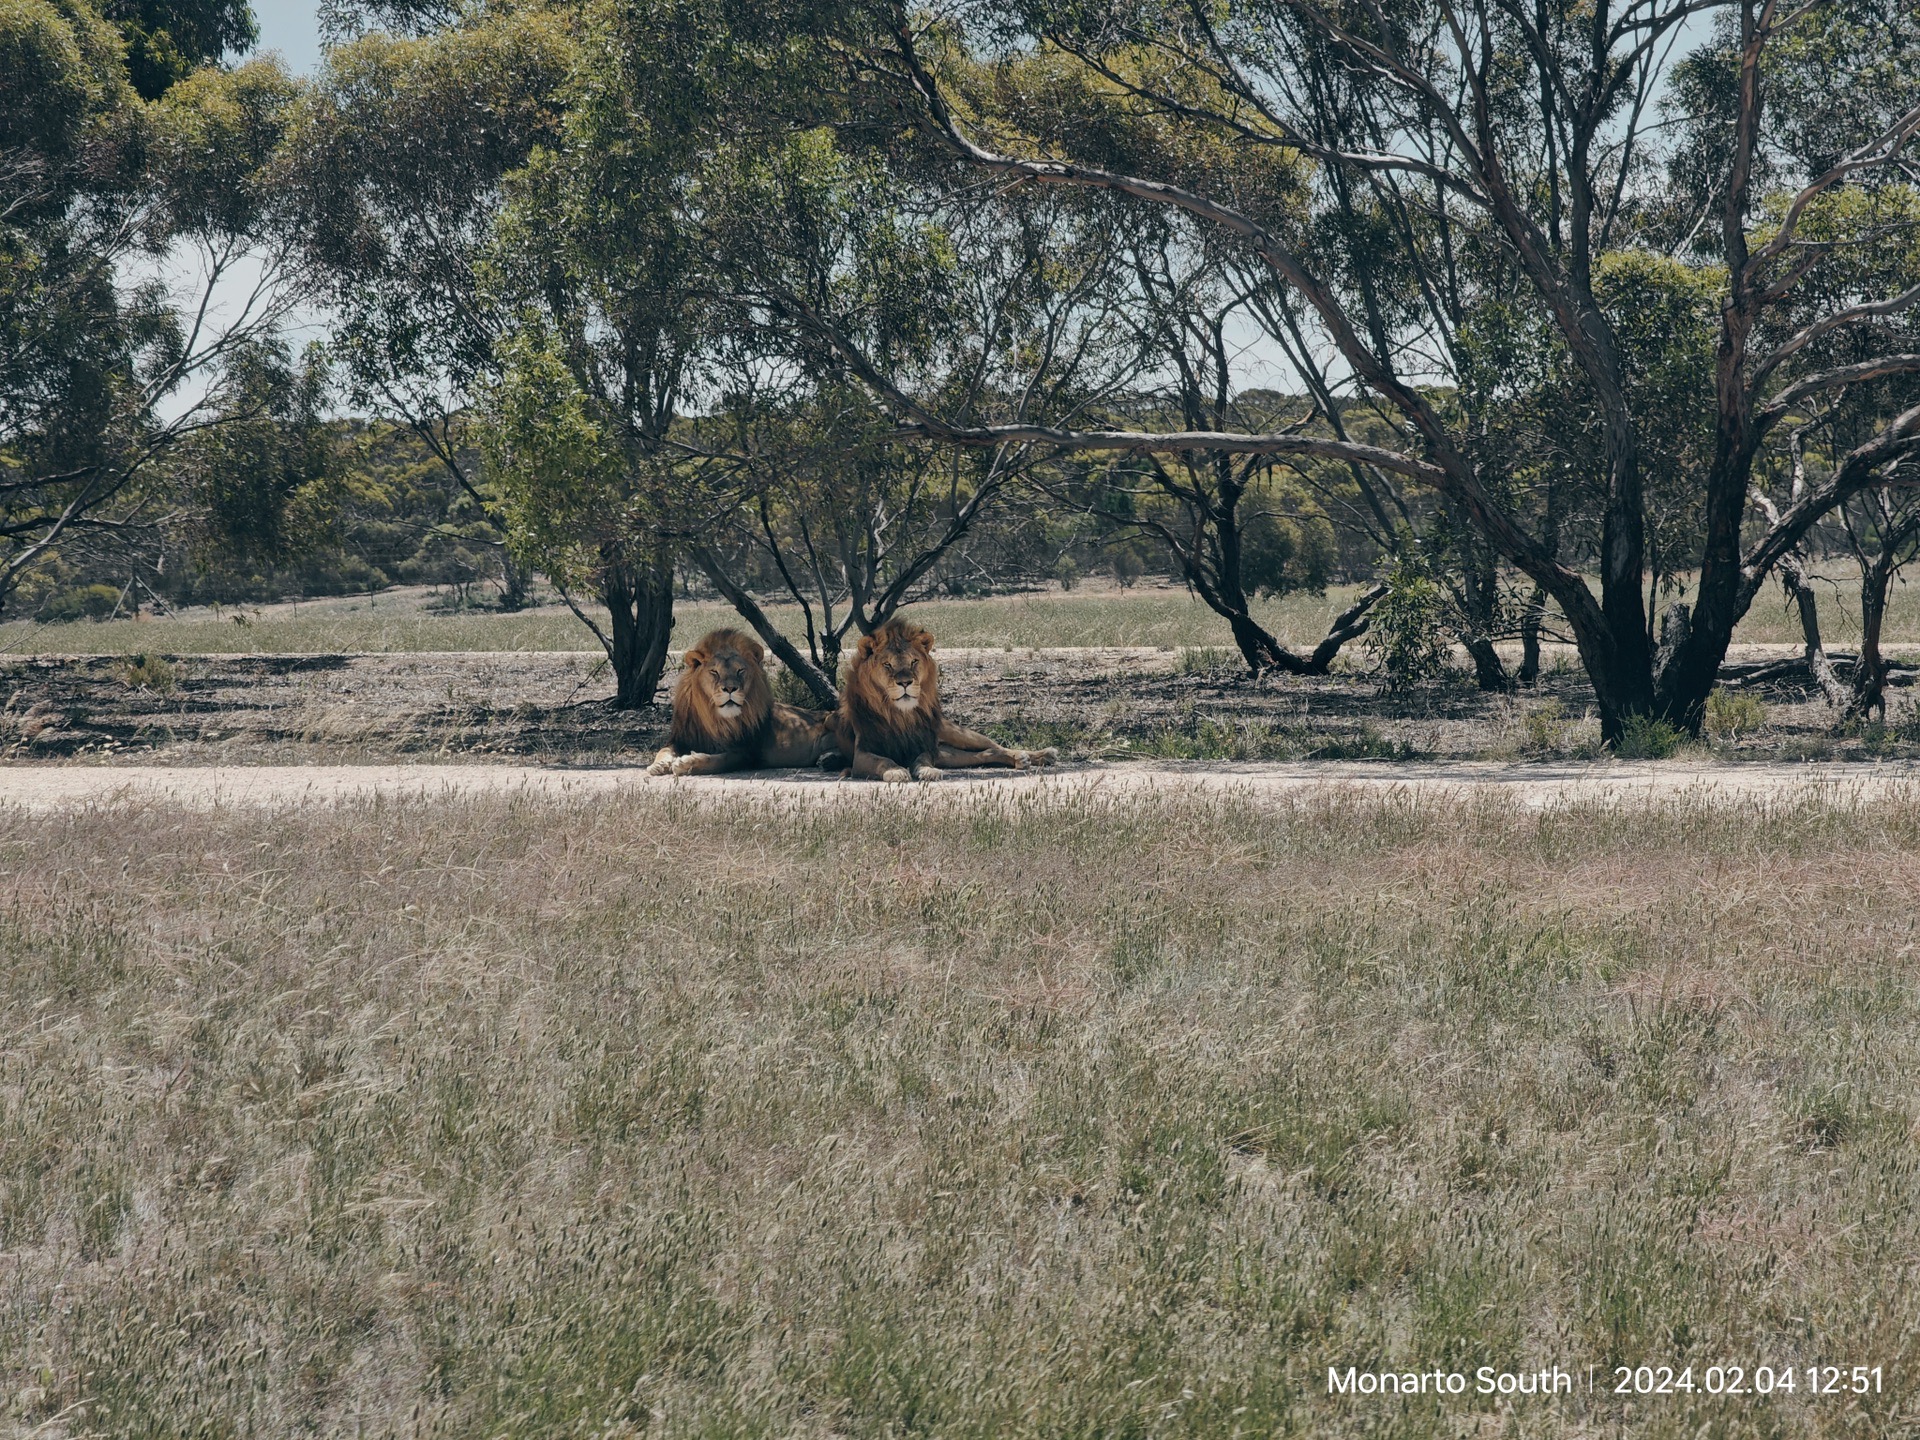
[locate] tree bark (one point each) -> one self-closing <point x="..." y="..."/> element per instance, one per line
<point x="1530" y="622"/>
<point x="1793" y="579"/>
<point x="639" y="600"/>
<point x="1869" y="689"/>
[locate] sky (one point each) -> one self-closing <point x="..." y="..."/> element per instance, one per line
<point x="291" y="27"/>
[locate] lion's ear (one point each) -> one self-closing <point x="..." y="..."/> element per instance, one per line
<point x="755" y="649"/>
<point x="694" y="658"/>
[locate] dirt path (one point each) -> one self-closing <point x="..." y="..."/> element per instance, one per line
<point x="53" y="788"/>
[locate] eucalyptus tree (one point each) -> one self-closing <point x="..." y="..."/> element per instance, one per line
<point x="136" y="260"/>
<point x="987" y="306"/>
<point x="1536" y="132"/>
<point x="1234" y="527"/>
<point x="396" y="165"/>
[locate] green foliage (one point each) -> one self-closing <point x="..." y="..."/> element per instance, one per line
<point x="168" y="40"/>
<point x="1546" y="727"/>
<point x="1645" y="737"/>
<point x="214" y="147"/>
<point x="1407" y="636"/>
<point x="82" y="602"/>
<point x="147" y="672"/>
<point x="1280" y="554"/>
<point x="1732" y="715"/>
<point x="1066" y="570"/>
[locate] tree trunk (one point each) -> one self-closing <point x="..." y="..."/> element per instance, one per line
<point x="516" y="582"/>
<point x="1793" y="579"/>
<point x="1489" y="671"/>
<point x="1479" y="597"/>
<point x="1258" y="648"/>
<point x="1530" y="637"/>
<point x="1870" y="674"/>
<point x="639" y="598"/>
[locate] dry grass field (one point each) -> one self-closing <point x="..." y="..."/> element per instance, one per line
<point x="1072" y="1119"/>
<point x="405" y="621"/>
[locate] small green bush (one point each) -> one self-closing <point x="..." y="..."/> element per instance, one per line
<point x="1404" y="631"/>
<point x="1730" y="716"/>
<point x="83" y="602"/>
<point x="1546" y="727"/>
<point x="790" y="689"/>
<point x="1644" y="737"/>
<point x="148" y="672"/>
<point x="1067" y="571"/>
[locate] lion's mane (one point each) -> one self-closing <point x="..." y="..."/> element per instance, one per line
<point x="878" y="727"/>
<point x="697" y="724"/>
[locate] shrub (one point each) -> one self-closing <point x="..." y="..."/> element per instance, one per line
<point x="1404" y="633"/>
<point x="1643" y="737"/>
<point x="1730" y="716"/>
<point x="1127" y="569"/>
<point x="790" y="689"/>
<point x="148" y="672"/>
<point x="1067" y="571"/>
<point x="83" y="602"/>
<point x="1546" y="727"/>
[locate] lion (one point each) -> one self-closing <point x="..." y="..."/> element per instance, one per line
<point x="725" y="717"/>
<point x="890" y="711"/>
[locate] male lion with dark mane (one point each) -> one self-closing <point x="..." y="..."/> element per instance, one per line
<point x="725" y="717"/>
<point x="891" y="709"/>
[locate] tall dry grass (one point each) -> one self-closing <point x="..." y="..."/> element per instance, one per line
<point x="680" y="1118"/>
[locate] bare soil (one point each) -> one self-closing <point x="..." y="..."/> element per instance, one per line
<point x="551" y="708"/>
<point x="51" y="788"/>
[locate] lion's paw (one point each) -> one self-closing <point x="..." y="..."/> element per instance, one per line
<point x="1040" y="757"/>
<point x="926" y="772"/>
<point x="686" y="765"/>
<point x="662" y="765"/>
<point x="895" y="775"/>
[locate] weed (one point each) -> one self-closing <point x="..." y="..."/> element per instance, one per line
<point x="1205" y="659"/>
<point x="1732" y="715"/>
<point x="1645" y="737"/>
<point x="147" y="672"/>
<point x="1546" y="728"/>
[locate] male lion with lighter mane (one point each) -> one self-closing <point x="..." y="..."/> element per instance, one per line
<point x="725" y="717"/>
<point x="891" y="709"/>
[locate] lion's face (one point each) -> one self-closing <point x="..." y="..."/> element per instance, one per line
<point x="894" y="672"/>
<point x="723" y="691"/>
<point x="726" y="677"/>
<point x="899" y="669"/>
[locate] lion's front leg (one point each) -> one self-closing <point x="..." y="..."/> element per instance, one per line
<point x="879" y="767"/>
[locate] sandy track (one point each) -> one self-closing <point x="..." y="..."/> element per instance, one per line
<point x="53" y="788"/>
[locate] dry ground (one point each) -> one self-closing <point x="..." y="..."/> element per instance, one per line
<point x="1105" y="1116"/>
<point x="1109" y="703"/>
<point x="44" y="789"/>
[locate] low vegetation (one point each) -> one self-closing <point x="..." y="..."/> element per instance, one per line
<point x="404" y="621"/>
<point x="1088" y="1118"/>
